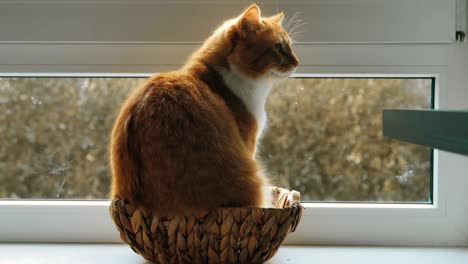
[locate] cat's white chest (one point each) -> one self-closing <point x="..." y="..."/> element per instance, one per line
<point x="253" y="93"/>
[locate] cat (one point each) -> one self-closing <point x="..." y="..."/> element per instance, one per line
<point x="185" y="141"/>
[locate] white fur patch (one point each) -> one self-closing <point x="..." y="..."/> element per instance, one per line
<point x="253" y="92"/>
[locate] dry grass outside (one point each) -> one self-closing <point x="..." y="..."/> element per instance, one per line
<point x="323" y="138"/>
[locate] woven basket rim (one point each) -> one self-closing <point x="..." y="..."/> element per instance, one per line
<point x="291" y="202"/>
<point x="122" y="202"/>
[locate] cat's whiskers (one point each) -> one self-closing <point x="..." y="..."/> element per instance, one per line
<point x="293" y="24"/>
<point x="295" y="36"/>
<point x="297" y="26"/>
<point x="290" y="21"/>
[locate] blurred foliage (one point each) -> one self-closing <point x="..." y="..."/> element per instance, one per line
<point x="55" y="133"/>
<point x="323" y="138"/>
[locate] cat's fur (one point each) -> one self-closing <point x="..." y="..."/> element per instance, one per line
<point x="185" y="141"/>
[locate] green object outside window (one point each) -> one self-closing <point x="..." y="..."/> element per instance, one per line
<point x="440" y="129"/>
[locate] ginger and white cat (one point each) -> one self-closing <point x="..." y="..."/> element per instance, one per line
<point x="185" y="141"/>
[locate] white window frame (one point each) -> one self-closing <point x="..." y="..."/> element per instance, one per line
<point x="440" y="224"/>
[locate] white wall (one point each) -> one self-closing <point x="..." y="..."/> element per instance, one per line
<point x="369" y="21"/>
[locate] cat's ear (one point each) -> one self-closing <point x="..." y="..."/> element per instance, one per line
<point x="251" y="19"/>
<point x="278" y="18"/>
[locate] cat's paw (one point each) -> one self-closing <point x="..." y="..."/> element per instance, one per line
<point x="268" y="199"/>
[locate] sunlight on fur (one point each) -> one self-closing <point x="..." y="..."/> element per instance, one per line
<point x="185" y="141"/>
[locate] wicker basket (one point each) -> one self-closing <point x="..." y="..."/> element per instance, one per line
<point x="225" y="235"/>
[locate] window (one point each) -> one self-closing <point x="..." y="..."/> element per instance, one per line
<point x="324" y="139"/>
<point x="57" y="134"/>
<point x="57" y="128"/>
<point x="396" y="39"/>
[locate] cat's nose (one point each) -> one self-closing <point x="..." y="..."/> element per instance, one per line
<point x="294" y="61"/>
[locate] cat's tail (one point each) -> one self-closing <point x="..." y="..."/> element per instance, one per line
<point x="124" y="156"/>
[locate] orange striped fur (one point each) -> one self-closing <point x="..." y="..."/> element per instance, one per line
<point x="184" y="142"/>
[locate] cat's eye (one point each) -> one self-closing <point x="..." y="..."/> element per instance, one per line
<point x="278" y="47"/>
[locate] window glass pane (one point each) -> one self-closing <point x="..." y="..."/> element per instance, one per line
<point x="323" y="138"/>
<point x="55" y="133"/>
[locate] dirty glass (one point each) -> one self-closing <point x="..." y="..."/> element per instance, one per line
<point x="323" y="138"/>
<point x="55" y="133"/>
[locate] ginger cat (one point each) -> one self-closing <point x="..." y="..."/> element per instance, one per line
<point x="185" y="141"/>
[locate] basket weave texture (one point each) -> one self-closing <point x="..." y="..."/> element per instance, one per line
<point x="225" y="235"/>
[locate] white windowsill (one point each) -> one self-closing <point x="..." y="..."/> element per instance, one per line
<point x="120" y="254"/>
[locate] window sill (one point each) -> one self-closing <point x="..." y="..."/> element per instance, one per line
<point x="119" y="253"/>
